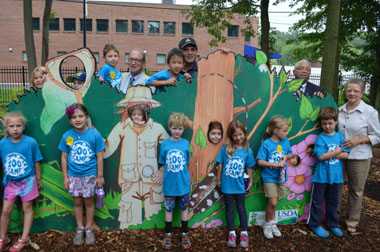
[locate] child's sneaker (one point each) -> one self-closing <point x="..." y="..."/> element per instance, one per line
<point x="185" y="241"/>
<point x="267" y="229"/>
<point x="275" y="231"/>
<point x="167" y="242"/>
<point x="244" y="241"/>
<point x="320" y="232"/>
<point x="90" y="236"/>
<point x="231" y="243"/>
<point x="79" y="234"/>
<point x="19" y="245"/>
<point x="4" y="242"/>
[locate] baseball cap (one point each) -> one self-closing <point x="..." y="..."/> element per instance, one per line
<point x="79" y="76"/>
<point x="187" y="41"/>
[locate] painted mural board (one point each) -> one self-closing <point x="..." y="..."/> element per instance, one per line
<point x="226" y="87"/>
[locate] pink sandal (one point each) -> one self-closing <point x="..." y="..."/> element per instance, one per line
<point x="19" y="245"/>
<point x="4" y="242"/>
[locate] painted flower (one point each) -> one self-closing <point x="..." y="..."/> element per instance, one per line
<point x="69" y="141"/>
<point x="305" y="150"/>
<point x="305" y="213"/>
<point x="112" y="75"/>
<point x="291" y="196"/>
<point x="299" y="178"/>
<point x="300" y="197"/>
<point x="214" y="223"/>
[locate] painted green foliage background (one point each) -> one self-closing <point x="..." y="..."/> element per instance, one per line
<point x="54" y="208"/>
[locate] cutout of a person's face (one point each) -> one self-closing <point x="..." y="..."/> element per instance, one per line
<point x="137" y="116"/>
<point x="78" y="84"/>
<point x="215" y="136"/>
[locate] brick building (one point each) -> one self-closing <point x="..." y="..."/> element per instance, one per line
<point x="155" y="28"/>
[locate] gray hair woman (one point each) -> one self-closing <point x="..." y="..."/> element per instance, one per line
<point x="359" y="123"/>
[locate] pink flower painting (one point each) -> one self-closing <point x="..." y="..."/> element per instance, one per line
<point x="299" y="178"/>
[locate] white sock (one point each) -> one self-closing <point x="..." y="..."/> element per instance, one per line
<point x="267" y="223"/>
<point x="244" y="233"/>
<point x="232" y="232"/>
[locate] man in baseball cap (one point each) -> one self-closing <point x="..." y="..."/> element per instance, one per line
<point x="190" y="50"/>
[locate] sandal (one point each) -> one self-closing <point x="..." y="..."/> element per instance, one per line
<point x="4" y="242"/>
<point x="19" y="245"/>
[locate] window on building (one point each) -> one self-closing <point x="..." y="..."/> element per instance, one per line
<point x="247" y="39"/>
<point x="126" y="57"/>
<point x="102" y="25"/>
<point x="88" y="25"/>
<point x="24" y="57"/>
<point x="36" y="24"/>
<point x="96" y="55"/>
<point x="54" y="24"/>
<point x="233" y="31"/>
<point x="161" y="59"/>
<point x="122" y="26"/>
<point x="153" y="27"/>
<point x="69" y="24"/>
<point x="169" y="28"/>
<point x="187" y="29"/>
<point x="137" y="26"/>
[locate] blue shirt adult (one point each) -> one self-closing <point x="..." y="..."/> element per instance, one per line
<point x="328" y="171"/>
<point x="175" y="155"/>
<point x="82" y="148"/>
<point x="272" y="152"/>
<point x="108" y="73"/>
<point x="162" y="75"/>
<point x="19" y="158"/>
<point x="233" y="169"/>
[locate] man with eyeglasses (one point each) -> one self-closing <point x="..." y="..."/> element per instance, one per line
<point x="135" y="76"/>
<point x="302" y="70"/>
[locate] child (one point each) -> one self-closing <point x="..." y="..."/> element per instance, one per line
<point x="78" y="80"/>
<point x="169" y="77"/>
<point x="139" y="114"/>
<point x="38" y="77"/>
<point x="215" y="132"/>
<point x="108" y="72"/>
<point x="235" y="156"/>
<point x="82" y="168"/>
<point x="272" y="156"/>
<point x="22" y="176"/>
<point x="328" y="175"/>
<point x="174" y="157"/>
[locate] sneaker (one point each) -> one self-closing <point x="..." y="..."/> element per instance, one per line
<point x="336" y="231"/>
<point x="167" y="242"/>
<point x="78" y="238"/>
<point x="320" y="232"/>
<point x="90" y="236"/>
<point x="244" y="241"/>
<point x="4" y="242"/>
<point x="185" y="241"/>
<point x="19" y="245"/>
<point x="276" y="232"/>
<point x="231" y="243"/>
<point x="267" y="229"/>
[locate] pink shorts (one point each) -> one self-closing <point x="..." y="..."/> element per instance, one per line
<point x="26" y="189"/>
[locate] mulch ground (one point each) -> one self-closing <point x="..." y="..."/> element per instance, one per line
<point x="295" y="237"/>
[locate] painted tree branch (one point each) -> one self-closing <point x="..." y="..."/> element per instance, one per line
<point x="300" y="132"/>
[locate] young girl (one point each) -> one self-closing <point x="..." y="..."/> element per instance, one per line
<point x="108" y="72"/>
<point x="82" y="168"/>
<point x="139" y="114"/>
<point x="38" y="77"/>
<point x="233" y="158"/>
<point x="215" y="132"/>
<point x="169" y="77"/>
<point x="272" y="156"/>
<point x="22" y="176"/>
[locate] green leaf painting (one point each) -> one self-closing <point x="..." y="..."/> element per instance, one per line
<point x="306" y="108"/>
<point x="314" y="114"/>
<point x="200" y="138"/>
<point x="283" y="76"/>
<point x="294" y="85"/>
<point x="261" y="58"/>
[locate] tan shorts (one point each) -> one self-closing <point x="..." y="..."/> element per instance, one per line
<point x="273" y="190"/>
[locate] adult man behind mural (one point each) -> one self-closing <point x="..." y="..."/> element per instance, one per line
<point x="141" y="197"/>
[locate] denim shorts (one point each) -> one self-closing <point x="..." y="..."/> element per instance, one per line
<point x="169" y="202"/>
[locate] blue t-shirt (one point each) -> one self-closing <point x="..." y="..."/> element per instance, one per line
<point x="82" y="148"/>
<point x="233" y="169"/>
<point x="19" y="158"/>
<point x="328" y="171"/>
<point x="272" y="152"/>
<point x="108" y="73"/>
<point x="162" y="75"/>
<point x="175" y="155"/>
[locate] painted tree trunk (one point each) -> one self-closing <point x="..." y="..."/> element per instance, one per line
<point x="214" y="88"/>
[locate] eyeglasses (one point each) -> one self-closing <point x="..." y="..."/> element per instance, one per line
<point x="303" y="68"/>
<point x="130" y="60"/>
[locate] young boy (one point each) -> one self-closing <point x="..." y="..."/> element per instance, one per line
<point x="78" y="80"/>
<point x="174" y="157"/>
<point x="328" y="175"/>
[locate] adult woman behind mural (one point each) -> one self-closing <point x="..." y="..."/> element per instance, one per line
<point x="359" y="123"/>
<point x="139" y="137"/>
